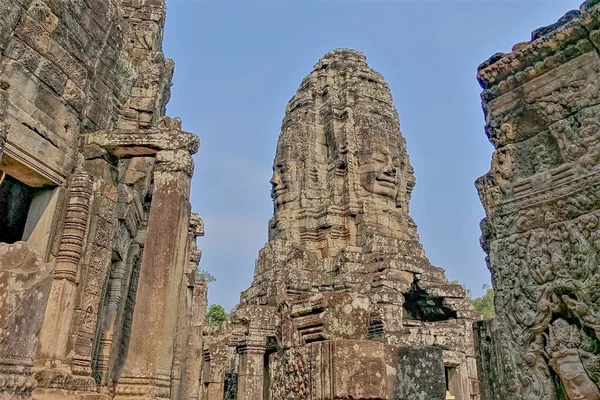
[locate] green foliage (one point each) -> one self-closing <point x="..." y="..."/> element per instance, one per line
<point x="205" y="276"/>
<point x="469" y="293"/>
<point x="485" y="303"/>
<point x="216" y="314"/>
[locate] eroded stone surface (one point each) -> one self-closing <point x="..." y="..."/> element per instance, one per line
<point x="83" y="91"/>
<point x="540" y="196"/>
<point x="25" y="281"/>
<point x="343" y="280"/>
<point x="421" y="374"/>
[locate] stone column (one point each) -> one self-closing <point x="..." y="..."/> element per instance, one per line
<point x="252" y="364"/>
<point x="95" y="267"/>
<point x="215" y="357"/>
<point x="180" y="342"/>
<point x="191" y="387"/>
<point x="3" y="125"/>
<point x="192" y="358"/>
<point x="213" y="389"/>
<point x="55" y="331"/>
<point x="148" y="366"/>
<point x="115" y="292"/>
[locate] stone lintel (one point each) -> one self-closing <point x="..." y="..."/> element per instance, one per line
<point x="147" y="388"/>
<point x="170" y="161"/>
<point x="21" y="171"/>
<point x="252" y="346"/>
<point x="136" y="143"/>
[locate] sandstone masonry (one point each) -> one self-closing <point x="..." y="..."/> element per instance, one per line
<point x="98" y="258"/>
<point x="98" y="297"/>
<point x="344" y="303"/>
<point x="541" y="104"/>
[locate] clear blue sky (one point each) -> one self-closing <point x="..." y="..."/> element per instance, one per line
<point x="239" y="62"/>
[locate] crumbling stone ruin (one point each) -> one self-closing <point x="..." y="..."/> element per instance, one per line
<point x="541" y="233"/>
<point x="344" y="302"/>
<point x="98" y="297"/>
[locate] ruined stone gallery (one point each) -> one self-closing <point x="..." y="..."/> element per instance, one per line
<point x="100" y="296"/>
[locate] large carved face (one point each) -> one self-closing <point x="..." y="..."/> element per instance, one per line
<point x="285" y="186"/>
<point x="563" y="342"/>
<point x="379" y="171"/>
<point x="576" y="381"/>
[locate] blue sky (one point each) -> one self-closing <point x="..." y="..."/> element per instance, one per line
<point x="239" y="62"/>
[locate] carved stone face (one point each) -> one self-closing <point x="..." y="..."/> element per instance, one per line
<point x="563" y="342"/>
<point x="285" y="182"/>
<point x="379" y="172"/>
<point x="576" y="381"/>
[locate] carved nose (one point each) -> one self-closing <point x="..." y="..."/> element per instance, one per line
<point x="390" y="169"/>
<point x="275" y="180"/>
<point x="275" y="184"/>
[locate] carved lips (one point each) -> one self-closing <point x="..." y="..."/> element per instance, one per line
<point x="284" y="185"/>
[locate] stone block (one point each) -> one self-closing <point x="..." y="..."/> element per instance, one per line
<point x="340" y="369"/>
<point x="421" y="374"/>
<point x="25" y="280"/>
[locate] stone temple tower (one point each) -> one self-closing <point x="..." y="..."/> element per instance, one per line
<point x="344" y="303"/>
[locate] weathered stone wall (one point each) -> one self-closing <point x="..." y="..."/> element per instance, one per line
<point x="541" y="104"/>
<point x="83" y="92"/>
<point x="67" y="72"/>
<point x="25" y="280"/>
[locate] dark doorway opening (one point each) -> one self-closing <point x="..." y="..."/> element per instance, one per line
<point x="15" y="201"/>
<point x="420" y="306"/>
<point x="450" y="371"/>
<point x="230" y="386"/>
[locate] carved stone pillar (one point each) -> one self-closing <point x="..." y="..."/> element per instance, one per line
<point x="192" y="359"/>
<point x="148" y="366"/>
<point x="191" y="386"/>
<point x="214" y="358"/>
<point x="3" y="125"/>
<point x="95" y="267"/>
<point x="252" y="365"/>
<point x="121" y="343"/>
<point x="180" y="343"/>
<point x="55" y="331"/>
<point x="115" y="292"/>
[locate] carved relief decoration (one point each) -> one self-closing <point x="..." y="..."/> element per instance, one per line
<point x="541" y="197"/>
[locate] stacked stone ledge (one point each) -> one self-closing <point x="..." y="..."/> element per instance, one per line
<point x="540" y="232"/>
